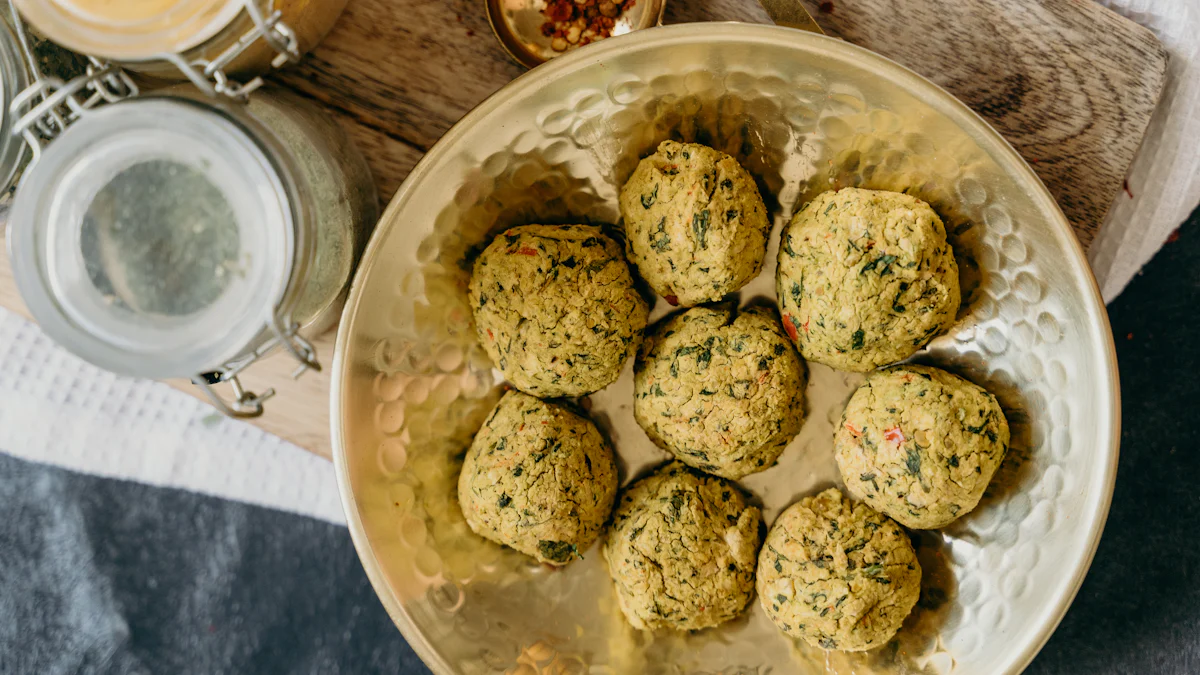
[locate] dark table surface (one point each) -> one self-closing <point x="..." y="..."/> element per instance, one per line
<point x="103" y="576"/>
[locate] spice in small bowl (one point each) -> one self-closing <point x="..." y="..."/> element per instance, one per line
<point x="535" y="31"/>
<point x="581" y="22"/>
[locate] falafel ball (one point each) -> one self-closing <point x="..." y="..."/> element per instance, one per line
<point x="538" y="478"/>
<point x="865" y="278"/>
<point x="723" y="394"/>
<point x="682" y="550"/>
<point x="695" y="224"/>
<point x="838" y="574"/>
<point x="556" y="309"/>
<point x="920" y="444"/>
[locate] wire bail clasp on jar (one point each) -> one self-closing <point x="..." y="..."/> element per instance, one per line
<point x="246" y="403"/>
<point x="210" y="76"/>
<point x="53" y="105"/>
<point x="48" y="105"/>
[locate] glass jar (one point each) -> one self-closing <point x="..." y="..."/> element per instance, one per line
<point x="179" y="236"/>
<point x="138" y="34"/>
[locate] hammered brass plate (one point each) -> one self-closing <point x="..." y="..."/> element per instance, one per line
<point x="804" y="114"/>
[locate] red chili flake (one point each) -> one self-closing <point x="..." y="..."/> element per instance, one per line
<point x="490" y="336"/>
<point x="894" y="435"/>
<point x="805" y="326"/>
<point x="559" y="10"/>
<point x="1174" y="237"/>
<point x="826" y="7"/>
<point x="853" y="430"/>
<point x="789" y="326"/>
<point x="525" y="250"/>
<point x="1129" y="337"/>
<point x="674" y="301"/>
<point x="1125" y="187"/>
<point x="579" y="22"/>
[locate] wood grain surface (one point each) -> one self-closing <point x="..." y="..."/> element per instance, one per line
<point x="1070" y="84"/>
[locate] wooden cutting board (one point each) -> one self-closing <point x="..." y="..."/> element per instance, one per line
<point x="1070" y="84"/>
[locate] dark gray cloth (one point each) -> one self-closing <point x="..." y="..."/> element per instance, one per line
<point x="104" y="576"/>
<point x="107" y="576"/>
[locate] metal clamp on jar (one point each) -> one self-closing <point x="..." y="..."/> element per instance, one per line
<point x="182" y="235"/>
<point x="20" y="68"/>
<point x="205" y="41"/>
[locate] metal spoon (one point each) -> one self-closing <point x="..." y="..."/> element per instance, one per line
<point x="517" y="24"/>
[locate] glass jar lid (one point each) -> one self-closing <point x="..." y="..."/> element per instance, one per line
<point x="154" y="238"/>
<point x="130" y="31"/>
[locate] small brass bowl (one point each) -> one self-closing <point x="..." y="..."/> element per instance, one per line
<point x="517" y="24"/>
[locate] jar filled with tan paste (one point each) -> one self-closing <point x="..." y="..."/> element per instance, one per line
<point x="139" y="33"/>
<point x="178" y="236"/>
